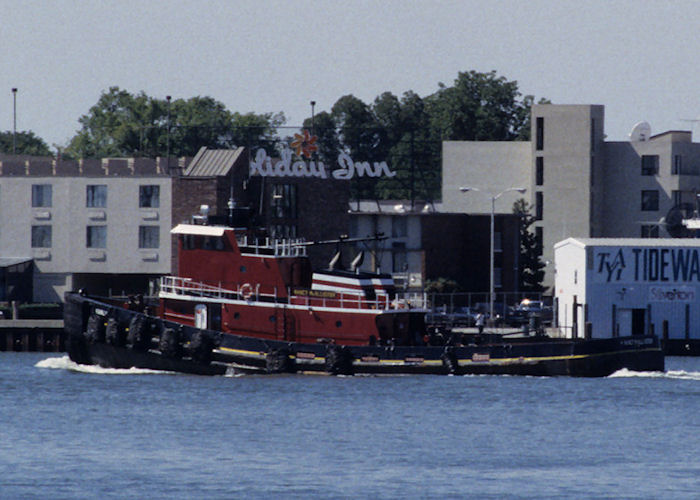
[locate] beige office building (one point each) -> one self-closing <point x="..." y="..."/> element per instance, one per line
<point x="579" y="184"/>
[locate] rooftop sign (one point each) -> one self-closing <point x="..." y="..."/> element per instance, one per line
<point x="304" y="146"/>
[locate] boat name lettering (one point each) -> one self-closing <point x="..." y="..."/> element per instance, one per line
<point x="481" y="358"/>
<point x="306" y="355"/>
<point x="263" y="166"/>
<point x="370" y="359"/>
<point x="416" y="360"/>
<point x="324" y="294"/>
<point x="637" y="342"/>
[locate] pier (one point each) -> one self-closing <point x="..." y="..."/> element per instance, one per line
<point x="26" y="335"/>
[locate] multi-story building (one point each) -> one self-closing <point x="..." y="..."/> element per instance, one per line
<point x="96" y="224"/>
<point x="579" y="184"/>
<point x="104" y="225"/>
<point x="424" y="244"/>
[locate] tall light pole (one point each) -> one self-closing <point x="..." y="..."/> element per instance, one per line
<point x="14" y="120"/>
<point x="493" y="197"/>
<point x="313" y="103"/>
<point x="167" y="136"/>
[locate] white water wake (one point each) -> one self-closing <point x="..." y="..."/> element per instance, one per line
<point x="671" y="374"/>
<point x="65" y="363"/>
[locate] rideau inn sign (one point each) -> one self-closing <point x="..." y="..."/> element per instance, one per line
<point x="304" y="146"/>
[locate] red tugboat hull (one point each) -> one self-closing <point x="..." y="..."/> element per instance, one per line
<point x="91" y="325"/>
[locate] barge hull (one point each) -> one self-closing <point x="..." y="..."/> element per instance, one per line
<point x="536" y="356"/>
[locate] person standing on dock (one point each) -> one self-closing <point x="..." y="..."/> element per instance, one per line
<point x="480" y="322"/>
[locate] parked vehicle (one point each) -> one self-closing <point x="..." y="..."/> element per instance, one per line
<point x="528" y="309"/>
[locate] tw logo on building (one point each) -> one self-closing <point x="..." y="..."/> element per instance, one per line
<point x="611" y="264"/>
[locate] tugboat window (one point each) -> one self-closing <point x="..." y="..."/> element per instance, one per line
<point x="338" y="323"/>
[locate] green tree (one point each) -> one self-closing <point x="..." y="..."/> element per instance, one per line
<point x="121" y="124"/>
<point x="25" y="143"/>
<point x="530" y="262"/>
<point x="359" y="136"/>
<point x="328" y="140"/>
<point x="480" y="107"/>
<point x="406" y="144"/>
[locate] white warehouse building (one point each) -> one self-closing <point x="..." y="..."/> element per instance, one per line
<point x="628" y="286"/>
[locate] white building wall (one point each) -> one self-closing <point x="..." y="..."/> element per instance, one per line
<point x="69" y="217"/>
<point x="632" y="286"/>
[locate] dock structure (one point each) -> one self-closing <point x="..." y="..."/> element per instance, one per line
<point x="27" y="335"/>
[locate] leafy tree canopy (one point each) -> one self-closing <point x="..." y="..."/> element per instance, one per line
<point x="122" y="124"/>
<point x="25" y="143"/>
<point x="480" y="107"/>
<point x="405" y="131"/>
<point x="408" y="131"/>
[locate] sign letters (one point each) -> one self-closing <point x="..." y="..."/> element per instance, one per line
<point x="647" y="265"/>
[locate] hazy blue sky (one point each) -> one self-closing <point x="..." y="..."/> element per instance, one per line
<point x="638" y="58"/>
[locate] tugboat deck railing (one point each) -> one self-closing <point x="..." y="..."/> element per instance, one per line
<point x="293" y="247"/>
<point x="188" y="288"/>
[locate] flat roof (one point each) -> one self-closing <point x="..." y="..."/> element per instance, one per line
<point x="636" y="242"/>
<point x="13" y="261"/>
<point x="198" y="230"/>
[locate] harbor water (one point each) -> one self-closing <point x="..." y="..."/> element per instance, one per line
<point x="70" y="432"/>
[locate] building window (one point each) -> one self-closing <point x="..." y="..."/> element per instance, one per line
<point x="650" y="230"/>
<point x="283" y="231"/>
<point x="497" y="277"/>
<point x="650" y="200"/>
<point x="41" y="195"/>
<point x="650" y="164"/>
<point x="497" y="241"/>
<point x="539" y="133"/>
<point x="398" y="227"/>
<point x="677" y="197"/>
<point x="399" y="257"/>
<point x="539" y="239"/>
<point x="539" y="205"/>
<point x="149" y="236"/>
<point x="284" y="201"/>
<point x="41" y="236"/>
<point x="677" y="165"/>
<point x="96" y="196"/>
<point x="96" y="237"/>
<point x="149" y="196"/>
<point x="539" y="171"/>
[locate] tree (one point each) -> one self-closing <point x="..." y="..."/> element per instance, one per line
<point x="479" y="107"/>
<point x="121" y="124"/>
<point x="407" y="146"/>
<point x="530" y="262"/>
<point x="25" y="143"/>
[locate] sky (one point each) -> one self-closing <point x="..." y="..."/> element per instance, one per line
<point x="637" y="58"/>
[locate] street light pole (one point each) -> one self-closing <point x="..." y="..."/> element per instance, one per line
<point x="167" y="136"/>
<point x="492" y="252"/>
<point x="14" y="120"/>
<point x="313" y="104"/>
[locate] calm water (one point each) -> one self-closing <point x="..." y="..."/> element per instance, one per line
<point x="67" y="433"/>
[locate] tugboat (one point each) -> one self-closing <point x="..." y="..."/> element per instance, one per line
<point x="248" y="303"/>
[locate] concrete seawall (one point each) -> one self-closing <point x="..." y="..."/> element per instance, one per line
<point x="40" y="335"/>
